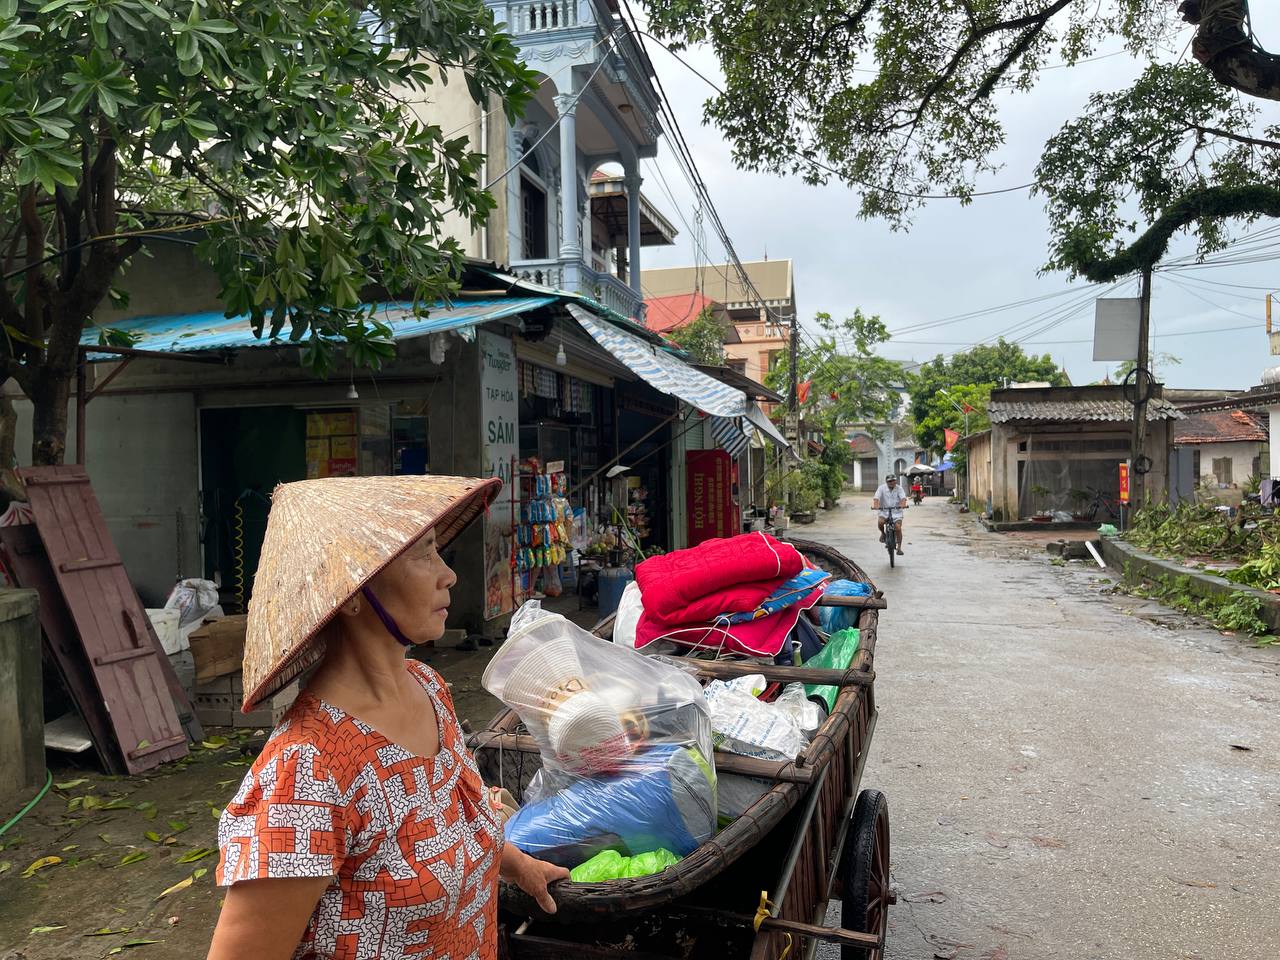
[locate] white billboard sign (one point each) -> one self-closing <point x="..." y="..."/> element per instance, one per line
<point x="1115" y="328"/>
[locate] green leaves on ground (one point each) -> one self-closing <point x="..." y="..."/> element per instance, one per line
<point x="199" y="853"/>
<point x="40" y="864"/>
<point x="183" y="884"/>
<point x="135" y="857"/>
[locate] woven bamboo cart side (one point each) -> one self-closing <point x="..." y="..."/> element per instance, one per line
<point x="832" y="761"/>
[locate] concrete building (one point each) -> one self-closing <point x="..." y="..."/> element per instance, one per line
<point x="1047" y="442"/>
<point x="560" y="220"/>
<point x="760" y="317"/>
<point x="1228" y="447"/>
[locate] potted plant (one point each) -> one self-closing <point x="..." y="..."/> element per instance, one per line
<point x="1039" y="491"/>
<point x="1079" y="498"/>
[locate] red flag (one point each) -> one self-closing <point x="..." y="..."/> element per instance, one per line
<point x="966" y="408"/>
<point x="802" y="390"/>
<point x="952" y="438"/>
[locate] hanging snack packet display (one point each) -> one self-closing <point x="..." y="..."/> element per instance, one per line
<point x="625" y="743"/>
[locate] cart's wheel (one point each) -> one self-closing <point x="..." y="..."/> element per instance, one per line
<point x="865" y="905"/>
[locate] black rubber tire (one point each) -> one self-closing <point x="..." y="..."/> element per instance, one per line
<point x="891" y="541"/>
<point x="865" y="869"/>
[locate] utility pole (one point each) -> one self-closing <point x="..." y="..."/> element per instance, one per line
<point x="793" y="399"/>
<point x="1141" y="385"/>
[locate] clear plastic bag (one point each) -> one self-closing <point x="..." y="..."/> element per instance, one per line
<point x="807" y="714"/>
<point x="628" y="615"/>
<point x="625" y="743"/>
<point x="747" y="726"/>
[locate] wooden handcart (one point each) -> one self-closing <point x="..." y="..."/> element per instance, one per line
<point x="760" y="888"/>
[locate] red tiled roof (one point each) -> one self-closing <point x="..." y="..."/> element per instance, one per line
<point x="1222" y="426"/>
<point x="863" y="444"/>
<point x="664" y="314"/>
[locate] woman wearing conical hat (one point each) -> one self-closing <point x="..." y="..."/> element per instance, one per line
<point x="363" y="829"/>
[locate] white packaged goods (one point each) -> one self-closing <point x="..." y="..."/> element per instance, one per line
<point x="742" y="724"/>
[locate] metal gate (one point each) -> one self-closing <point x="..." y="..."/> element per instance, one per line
<point x="870" y="474"/>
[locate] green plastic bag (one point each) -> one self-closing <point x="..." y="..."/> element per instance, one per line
<point x="611" y="865"/>
<point x="1108" y="530"/>
<point x="836" y="655"/>
<point x="643" y="864"/>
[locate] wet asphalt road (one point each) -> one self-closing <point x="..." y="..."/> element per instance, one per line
<point x="1059" y="762"/>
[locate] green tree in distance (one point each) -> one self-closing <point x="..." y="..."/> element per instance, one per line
<point x="849" y="381"/>
<point x="702" y="338"/>
<point x="990" y="364"/>
<point x="281" y="130"/>
<point x="941" y="415"/>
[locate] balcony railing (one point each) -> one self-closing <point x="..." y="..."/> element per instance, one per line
<point x="607" y="289"/>
<point x="547" y="273"/>
<point x="541" y="16"/>
<point x="604" y="288"/>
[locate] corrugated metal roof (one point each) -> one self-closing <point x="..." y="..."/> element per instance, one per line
<point x="192" y="332"/>
<point x="1223" y="426"/>
<point x="1107" y="411"/>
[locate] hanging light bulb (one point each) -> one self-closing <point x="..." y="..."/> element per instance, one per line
<point x="561" y="359"/>
<point x="352" y="393"/>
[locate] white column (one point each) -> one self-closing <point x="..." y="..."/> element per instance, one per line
<point x="1274" y="413"/>
<point x="571" y="250"/>
<point x="632" y="180"/>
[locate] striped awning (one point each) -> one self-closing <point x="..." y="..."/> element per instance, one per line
<point x="662" y="371"/>
<point x="729" y="436"/>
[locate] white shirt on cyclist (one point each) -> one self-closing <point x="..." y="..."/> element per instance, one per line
<point x="887" y="497"/>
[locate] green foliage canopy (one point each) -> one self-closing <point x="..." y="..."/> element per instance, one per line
<point x="850" y="382"/>
<point x="702" y="338"/>
<point x="973" y="372"/>
<point x="283" y="129"/>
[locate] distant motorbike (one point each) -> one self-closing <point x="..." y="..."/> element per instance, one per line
<point x="917" y="496"/>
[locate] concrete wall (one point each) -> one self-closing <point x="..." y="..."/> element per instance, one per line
<point x="1241" y="454"/>
<point x="21" y="699"/>
<point x="978" y="466"/>
<point x="142" y="447"/>
<point x="449" y="106"/>
<point x="142" y="456"/>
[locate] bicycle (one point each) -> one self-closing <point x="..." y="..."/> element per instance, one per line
<point x="891" y="533"/>
<point x="1102" y="501"/>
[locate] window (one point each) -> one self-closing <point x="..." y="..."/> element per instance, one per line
<point x="533" y="220"/>
<point x="1222" y="469"/>
<point x="772" y="356"/>
<point x="738" y="366"/>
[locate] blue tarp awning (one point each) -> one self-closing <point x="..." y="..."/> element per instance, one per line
<point x="191" y="332"/>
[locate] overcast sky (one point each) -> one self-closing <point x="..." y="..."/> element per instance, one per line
<point x="957" y="260"/>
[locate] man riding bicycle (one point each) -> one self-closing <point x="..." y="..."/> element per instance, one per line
<point x="890" y="497"/>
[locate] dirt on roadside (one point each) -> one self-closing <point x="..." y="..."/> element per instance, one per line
<point x="121" y="842"/>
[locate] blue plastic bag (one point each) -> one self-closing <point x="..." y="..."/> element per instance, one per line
<point x="666" y="798"/>
<point x="835" y="619"/>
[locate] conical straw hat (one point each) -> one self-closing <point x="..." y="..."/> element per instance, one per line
<point x="325" y="540"/>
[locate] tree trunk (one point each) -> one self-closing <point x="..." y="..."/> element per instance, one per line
<point x="1223" y="44"/>
<point x="10" y="486"/>
<point x="50" y="394"/>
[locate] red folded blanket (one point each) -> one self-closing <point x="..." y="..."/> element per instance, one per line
<point x="715" y="577"/>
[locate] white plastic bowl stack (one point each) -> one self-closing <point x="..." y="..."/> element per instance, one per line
<point x="587" y="735"/>
<point x="549" y="672"/>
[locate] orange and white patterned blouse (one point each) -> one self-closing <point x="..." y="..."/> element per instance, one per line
<point x="412" y="844"/>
